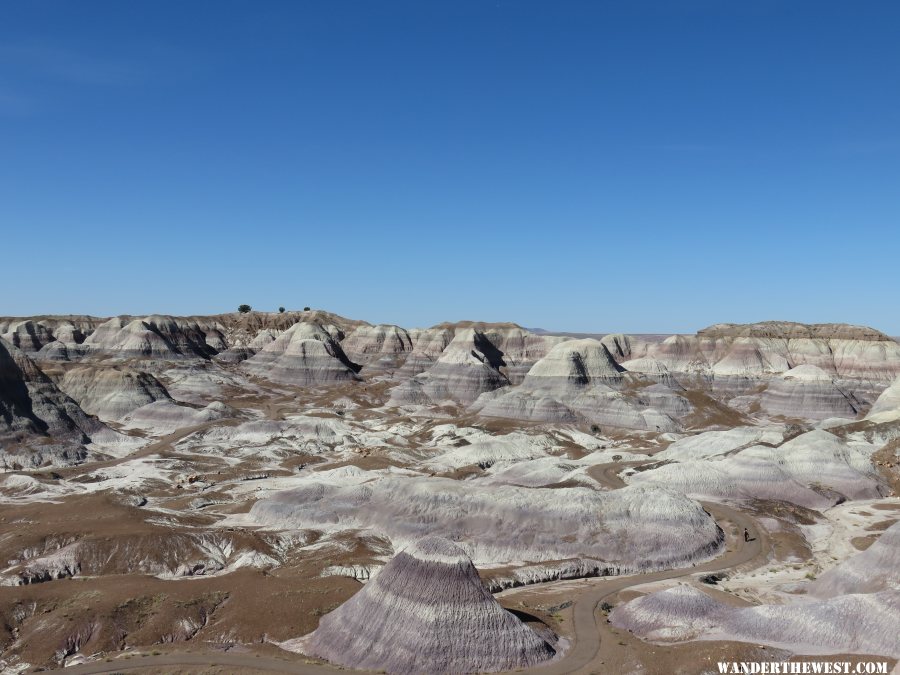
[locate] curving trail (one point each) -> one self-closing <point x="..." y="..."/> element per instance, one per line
<point x="591" y="638"/>
<point x="608" y="474"/>
<point x="591" y="631"/>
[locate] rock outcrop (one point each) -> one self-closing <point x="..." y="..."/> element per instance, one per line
<point x="378" y="347"/>
<point x="861" y="624"/>
<point x="578" y="381"/>
<point x="27" y="335"/>
<point x="480" y="358"/>
<point x="815" y="469"/>
<point x="428" y="345"/>
<point x="243" y="350"/>
<point x="875" y="569"/>
<point x="155" y="337"/>
<point x="164" y="416"/>
<point x="770" y="348"/>
<point x="887" y="406"/>
<point x="38" y="422"/>
<point x="427" y="611"/>
<point x="48" y="338"/>
<point x="632" y="528"/>
<point x="305" y="354"/>
<point x="111" y="392"/>
<point x="808" y="392"/>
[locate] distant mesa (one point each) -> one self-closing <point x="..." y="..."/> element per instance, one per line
<point x="427" y="611"/>
<point x="790" y="330"/>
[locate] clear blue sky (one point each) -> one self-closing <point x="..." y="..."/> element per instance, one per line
<point x="588" y="166"/>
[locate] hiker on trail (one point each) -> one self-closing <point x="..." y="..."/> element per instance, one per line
<point x="746" y="535"/>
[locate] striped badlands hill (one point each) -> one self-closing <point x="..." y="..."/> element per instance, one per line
<point x="426" y="612"/>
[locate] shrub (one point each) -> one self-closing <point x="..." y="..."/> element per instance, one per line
<point x="306" y="309"/>
<point x="281" y="310"/>
<point x="243" y="309"/>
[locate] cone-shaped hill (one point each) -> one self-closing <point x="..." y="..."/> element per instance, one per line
<point x="427" y="611"/>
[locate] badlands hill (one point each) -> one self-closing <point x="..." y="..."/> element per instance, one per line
<point x="426" y="612"/>
<point x="849" y="614"/>
<point x="773" y="370"/>
<point x="321" y="483"/>
<point x="39" y="424"/>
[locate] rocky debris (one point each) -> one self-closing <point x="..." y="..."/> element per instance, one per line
<point x="111" y="392"/>
<point x="486" y="450"/>
<point x="60" y="564"/>
<point x="427" y="611"/>
<point x="361" y="573"/>
<point x="636" y="527"/>
<point x="579" y="568"/>
<point x="165" y="554"/>
<point x="271" y="438"/>
<point x="815" y="469"/>
<point x="305" y="354"/>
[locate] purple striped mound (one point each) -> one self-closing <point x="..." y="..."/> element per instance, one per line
<point x="427" y="611"/>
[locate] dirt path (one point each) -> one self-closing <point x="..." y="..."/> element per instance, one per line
<point x="202" y="662"/>
<point x="608" y="474"/>
<point x="593" y="642"/>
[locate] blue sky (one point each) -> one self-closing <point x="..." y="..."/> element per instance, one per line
<point x="587" y="166"/>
